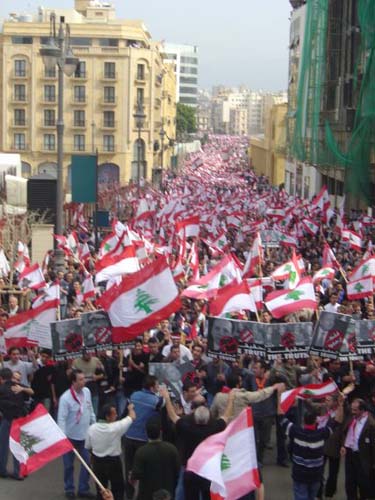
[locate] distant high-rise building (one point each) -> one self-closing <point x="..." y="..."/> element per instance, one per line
<point x="185" y="59"/>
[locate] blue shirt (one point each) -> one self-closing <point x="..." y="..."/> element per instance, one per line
<point x="146" y="404"/>
<point x="74" y="418"/>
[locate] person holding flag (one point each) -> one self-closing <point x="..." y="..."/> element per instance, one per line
<point x="75" y="415"/>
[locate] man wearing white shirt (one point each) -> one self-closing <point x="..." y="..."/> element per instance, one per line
<point x="332" y="305"/>
<point x="74" y="418"/>
<point x="104" y="440"/>
<point x="185" y="353"/>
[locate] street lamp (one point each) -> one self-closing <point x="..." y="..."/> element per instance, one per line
<point x="162" y="134"/>
<point x="58" y="52"/>
<point x="139" y="117"/>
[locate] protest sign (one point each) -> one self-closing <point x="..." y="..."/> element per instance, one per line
<point x="288" y="340"/>
<point x="329" y="334"/>
<point x="67" y="339"/>
<point x="365" y="336"/>
<point x="96" y="331"/>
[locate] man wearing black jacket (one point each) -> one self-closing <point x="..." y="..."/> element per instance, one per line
<point x="12" y="398"/>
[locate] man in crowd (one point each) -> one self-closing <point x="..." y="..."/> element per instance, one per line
<point x="26" y="368"/>
<point x="75" y="415"/>
<point x="156" y="464"/>
<point x="42" y="380"/>
<point x="103" y="439"/>
<point x="93" y="370"/>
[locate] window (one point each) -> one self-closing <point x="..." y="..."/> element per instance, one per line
<point x="20" y="141"/>
<point x="79" y="118"/>
<point x="20" y="67"/>
<point x="80" y="41"/>
<point x="80" y="93"/>
<point x="80" y="71"/>
<point x="108" y="42"/>
<point x="108" y="142"/>
<point x="20" y="93"/>
<point x="109" y="70"/>
<point x="189" y="60"/>
<point x="171" y="56"/>
<point x="49" y="93"/>
<point x="79" y="142"/>
<point x="109" y="94"/>
<point x="49" y="118"/>
<point x="50" y="72"/>
<point x="188" y="90"/>
<point x="140" y="96"/>
<point x="140" y="72"/>
<point x="189" y="79"/>
<point x="188" y="100"/>
<point x="109" y="118"/>
<point x="19" y="117"/>
<point x="22" y="40"/>
<point x="49" y="142"/>
<point x="188" y="71"/>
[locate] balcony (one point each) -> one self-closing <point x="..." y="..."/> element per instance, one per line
<point x="49" y="77"/>
<point x="109" y="150"/>
<point x="140" y="80"/>
<point x="109" y="125"/>
<point x="81" y="101"/>
<point x="19" y="124"/>
<point x="81" y="78"/>
<point x="79" y="124"/>
<point x="109" y="76"/>
<point x="48" y="149"/>
<point x="16" y="99"/>
<point x="48" y="125"/>
<point x="19" y="75"/>
<point x="106" y="102"/>
<point x="19" y="147"/>
<point x="48" y="101"/>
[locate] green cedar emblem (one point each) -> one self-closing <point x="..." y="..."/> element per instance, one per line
<point x="359" y="287"/>
<point x="365" y="269"/>
<point x="144" y="301"/>
<point x="294" y="295"/>
<point x="225" y="463"/>
<point x="27" y="442"/>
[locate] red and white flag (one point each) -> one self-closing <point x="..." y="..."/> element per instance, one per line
<point x="256" y="290"/>
<point x="354" y="239"/>
<point x="36" y="440"/>
<point x="188" y="227"/>
<point x="233" y="298"/>
<point x="112" y="266"/>
<point x="329" y="258"/>
<point x="87" y="290"/>
<point x="359" y="289"/>
<point x="326" y="273"/>
<point x="31" y="328"/>
<point x="228" y="459"/>
<point x="254" y="258"/>
<point x="50" y="294"/>
<point x="365" y="268"/>
<point x="311" y="391"/>
<point x="141" y="300"/>
<point x="310" y="226"/>
<point x="284" y="302"/>
<point x="32" y="277"/>
<point x="4" y="265"/>
<point x="322" y="200"/>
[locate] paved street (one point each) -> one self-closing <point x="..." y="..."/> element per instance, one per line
<point x="47" y="483"/>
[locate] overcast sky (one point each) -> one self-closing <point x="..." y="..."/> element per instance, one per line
<point x="240" y="41"/>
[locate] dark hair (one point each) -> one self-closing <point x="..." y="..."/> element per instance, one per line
<point x="175" y="347"/>
<point x="46" y="351"/>
<point x="153" y="340"/>
<point x="262" y="364"/>
<point x="362" y="406"/>
<point x="73" y="375"/>
<point x="310" y="417"/>
<point x="149" y="381"/>
<point x="153" y="428"/>
<point x="233" y="380"/>
<point x="6" y="374"/>
<point x="161" y="495"/>
<point x="12" y="349"/>
<point x="199" y="347"/>
<point x="188" y="384"/>
<point x="106" y="411"/>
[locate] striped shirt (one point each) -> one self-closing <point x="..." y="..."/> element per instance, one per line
<point x="307" y="450"/>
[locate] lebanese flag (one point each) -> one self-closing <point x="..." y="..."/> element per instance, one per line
<point x="141" y="300"/>
<point x="290" y="271"/>
<point x="326" y="273"/>
<point x="188" y="228"/>
<point x="50" y="294"/>
<point x="36" y="440"/>
<point x="28" y="328"/>
<point x="108" y="245"/>
<point x="111" y="265"/>
<point x="4" y="264"/>
<point x="359" y="289"/>
<point x="276" y="213"/>
<point x="287" y="240"/>
<point x="365" y="268"/>
<point x="329" y="258"/>
<point x="220" y="242"/>
<point x="32" y="277"/>
<point x="84" y="252"/>
<point x="355" y="240"/>
<point x="233" y="298"/>
<point x="224" y="273"/>
<point x="88" y="290"/>
<point x="228" y="459"/>
<point x="256" y="290"/>
<point x="254" y="258"/>
<point x="310" y="226"/>
<point x="193" y="260"/>
<point x="322" y="200"/>
<point x="23" y="251"/>
<point x="310" y="391"/>
<point x="284" y="302"/>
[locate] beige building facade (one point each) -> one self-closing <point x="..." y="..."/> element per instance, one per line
<point x="119" y="65"/>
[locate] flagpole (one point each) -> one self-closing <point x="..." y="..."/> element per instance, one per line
<point x="89" y="470"/>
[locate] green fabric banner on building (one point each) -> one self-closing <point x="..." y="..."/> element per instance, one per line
<point x="84" y="178"/>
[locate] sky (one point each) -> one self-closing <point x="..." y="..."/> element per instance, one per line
<point x="241" y="42"/>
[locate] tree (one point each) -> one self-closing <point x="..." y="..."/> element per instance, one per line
<point x="186" y="122"/>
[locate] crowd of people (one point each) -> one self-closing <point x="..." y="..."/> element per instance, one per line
<point x="139" y="434"/>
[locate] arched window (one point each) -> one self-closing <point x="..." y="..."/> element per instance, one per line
<point x="108" y="173"/>
<point x="25" y="169"/>
<point x="49" y="168"/>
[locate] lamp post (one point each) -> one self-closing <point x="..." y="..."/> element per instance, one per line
<point x="58" y="52"/>
<point x="139" y="117"/>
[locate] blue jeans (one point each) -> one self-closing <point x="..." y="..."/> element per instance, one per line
<point x="305" y="491"/>
<point x="68" y="459"/>
<point x="180" y="492"/>
<point x="4" y="449"/>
